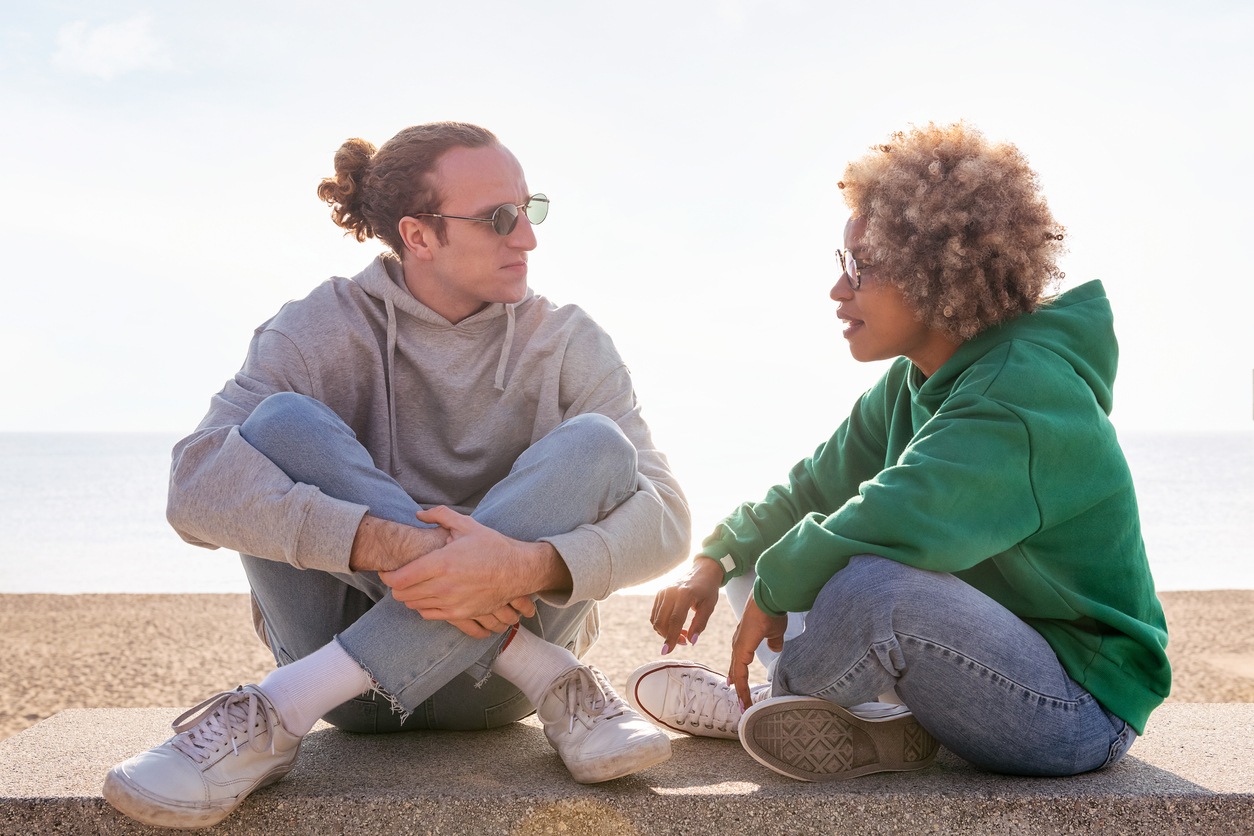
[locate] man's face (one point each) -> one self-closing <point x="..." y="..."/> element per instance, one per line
<point x="475" y="266"/>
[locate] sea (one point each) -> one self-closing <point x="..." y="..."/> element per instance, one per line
<point x="85" y="513"/>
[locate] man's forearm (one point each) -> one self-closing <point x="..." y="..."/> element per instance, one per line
<point x="382" y="545"/>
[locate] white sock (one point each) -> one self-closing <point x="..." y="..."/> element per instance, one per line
<point x="308" y="688"/>
<point x="532" y="664"/>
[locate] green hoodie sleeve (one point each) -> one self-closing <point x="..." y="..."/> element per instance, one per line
<point x="818" y="485"/>
<point x="959" y="493"/>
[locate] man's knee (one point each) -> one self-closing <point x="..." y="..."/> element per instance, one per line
<point x="597" y="433"/>
<point x="277" y="417"/>
<point x="600" y="443"/>
<point x="284" y="418"/>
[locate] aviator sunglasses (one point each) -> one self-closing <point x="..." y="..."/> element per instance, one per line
<point x="504" y="217"/>
<point x="849" y="267"/>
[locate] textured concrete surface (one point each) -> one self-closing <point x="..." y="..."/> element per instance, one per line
<point x="1193" y="772"/>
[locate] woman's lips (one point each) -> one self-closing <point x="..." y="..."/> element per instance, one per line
<point x="851" y="324"/>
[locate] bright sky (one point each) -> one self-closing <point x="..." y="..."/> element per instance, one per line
<point x="162" y="159"/>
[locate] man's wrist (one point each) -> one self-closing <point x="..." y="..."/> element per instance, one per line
<point x="365" y="545"/>
<point x="382" y="545"/>
<point x="549" y="570"/>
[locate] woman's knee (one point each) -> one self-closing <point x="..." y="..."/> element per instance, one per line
<point x="870" y="583"/>
<point x="855" y="618"/>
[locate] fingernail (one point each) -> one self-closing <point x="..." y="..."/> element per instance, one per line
<point x="666" y="648"/>
<point x="693" y="638"/>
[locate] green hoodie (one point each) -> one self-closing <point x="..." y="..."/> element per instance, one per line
<point x="1002" y="469"/>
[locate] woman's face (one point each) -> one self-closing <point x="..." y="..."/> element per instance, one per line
<point x="880" y="326"/>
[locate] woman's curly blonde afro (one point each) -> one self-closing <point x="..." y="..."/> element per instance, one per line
<point x="958" y="224"/>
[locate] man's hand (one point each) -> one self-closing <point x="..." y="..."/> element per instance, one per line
<point x="382" y="545"/>
<point x="698" y="593"/>
<point x="754" y="626"/>
<point x="481" y="576"/>
<point x="497" y="622"/>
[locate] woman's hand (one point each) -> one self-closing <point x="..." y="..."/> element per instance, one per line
<point x="754" y="626"/>
<point x="696" y="593"/>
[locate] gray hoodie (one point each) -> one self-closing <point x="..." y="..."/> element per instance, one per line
<point x="444" y="408"/>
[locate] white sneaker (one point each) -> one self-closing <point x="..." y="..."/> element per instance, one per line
<point x="689" y="698"/>
<point x="222" y="750"/>
<point x="596" y="734"/>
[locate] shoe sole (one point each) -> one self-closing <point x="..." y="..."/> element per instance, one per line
<point x="812" y="739"/>
<point x="132" y="801"/>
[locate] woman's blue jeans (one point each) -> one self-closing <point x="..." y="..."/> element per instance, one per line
<point x="432" y="675"/>
<point x="982" y="681"/>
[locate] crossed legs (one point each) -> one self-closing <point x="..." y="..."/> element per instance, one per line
<point x="338" y="635"/>
<point x="433" y="673"/>
<point x="971" y="673"/>
<point x="977" y="677"/>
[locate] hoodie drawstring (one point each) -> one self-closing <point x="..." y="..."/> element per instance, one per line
<point x="389" y="371"/>
<point x="505" y="347"/>
<point x="389" y="376"/>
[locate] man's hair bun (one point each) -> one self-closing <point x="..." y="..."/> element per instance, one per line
<point x="344" y="190"/>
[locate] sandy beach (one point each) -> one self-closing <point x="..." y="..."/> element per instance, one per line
<point x="120" y="651"/>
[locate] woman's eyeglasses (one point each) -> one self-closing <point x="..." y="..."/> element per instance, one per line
<point x="849" y="267"/>
<point x="504" y="217"/>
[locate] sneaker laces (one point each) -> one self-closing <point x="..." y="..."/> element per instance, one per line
<point x="202" y="731"/>
<point x="584" y="687"/>
<point x="703" y="699"/>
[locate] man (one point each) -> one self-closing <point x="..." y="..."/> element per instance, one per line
<point x="431" y="474"/>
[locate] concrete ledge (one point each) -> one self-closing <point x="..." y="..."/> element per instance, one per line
<point x="1192" y="773"/>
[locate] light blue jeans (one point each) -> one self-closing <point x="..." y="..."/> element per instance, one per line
<point x="982" y="681"/>
<point x="432" y="675"/>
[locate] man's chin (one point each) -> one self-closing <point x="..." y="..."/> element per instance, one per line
<point x="514" y="294"/>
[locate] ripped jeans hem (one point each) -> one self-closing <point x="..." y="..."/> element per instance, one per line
<point x="482" y="673"/>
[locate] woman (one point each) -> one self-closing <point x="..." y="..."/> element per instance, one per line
<point x="968" y="538"/>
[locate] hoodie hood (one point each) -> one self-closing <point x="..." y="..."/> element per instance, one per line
<point x="1078" y="326"/>
<point x="384" y="279"/>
